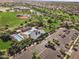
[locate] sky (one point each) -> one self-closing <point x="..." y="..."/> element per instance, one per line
<point x="62" y="0"/>
<point x="42" y="0"/>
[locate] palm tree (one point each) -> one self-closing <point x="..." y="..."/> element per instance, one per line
<point x="38" y="57"/>
<point x="62" y="52"/>
<point x="51" y="45"/>
<point x="21" y="24"/>
<point x="67" y="26"/>
<point x="35" y="56"/>
<point x="56" y="42"/>
<point x="49" y="42"/>
<point x="67" y="46"/>
<point x="6" y="26"/>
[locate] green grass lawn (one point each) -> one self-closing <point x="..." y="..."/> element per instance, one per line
<point x="9" y="18"/>
<point x="54" y="25"/>
<point x="5" y="45"/>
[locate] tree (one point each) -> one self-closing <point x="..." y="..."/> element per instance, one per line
<point x="25" y="22"/>
<point x="67" y="26"/>
<point x="49" y="42"/>
<point x="38" y="57"/>
<point x="67" y="46"/>
<point x="34" y="55"/>
<point x="56" y="42"/>
<point x="5" y="37"/>
<point x="49" y="21"/>
<point x="6" y="26"/>
<point x="51" y="45"/>
<point x="21" y="24"/>
<point x="63" y="52"/>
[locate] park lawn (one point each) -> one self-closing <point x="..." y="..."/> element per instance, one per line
<point x="5" y="45"/>
<point x="9" y="18"/>
<point x="54" y="25"/>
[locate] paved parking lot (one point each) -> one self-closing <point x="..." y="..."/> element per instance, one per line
<point x="75" y="54"/>
<point x="47" y="53"/>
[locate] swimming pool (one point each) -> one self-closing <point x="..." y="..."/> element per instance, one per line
<point x="17" y="37"/>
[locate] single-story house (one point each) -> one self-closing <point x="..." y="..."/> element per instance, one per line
<point x="21" y="8"/>
<point x="4" y="9"/>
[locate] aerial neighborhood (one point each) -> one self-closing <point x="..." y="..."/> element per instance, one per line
<point x="39" y="29"/>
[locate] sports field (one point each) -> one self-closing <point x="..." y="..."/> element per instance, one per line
<point x="9" y="18"/>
